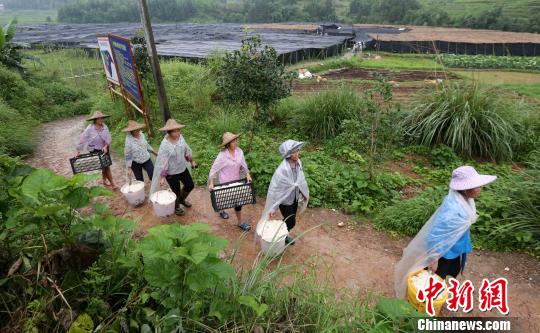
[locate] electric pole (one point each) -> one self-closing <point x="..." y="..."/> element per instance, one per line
<point x="154" y="60"/>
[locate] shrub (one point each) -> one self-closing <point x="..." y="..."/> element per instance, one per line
<point x="474" y="122"/>
<point x="321" y="115"/>
<point x="443" y="155"/>
<point x="16" y="132"/>
<point x="408" y="216"/>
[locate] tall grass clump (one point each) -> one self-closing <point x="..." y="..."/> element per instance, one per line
<point x="225" y="120"/>
<point x="473" y="121"/>
<point x="16" y="132"/>
<point x="190" y="87"/>
<point x="321" y="115"/>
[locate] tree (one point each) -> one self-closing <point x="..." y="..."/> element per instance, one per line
<point x="10" y="55"/>
<point x="253" y="75"/>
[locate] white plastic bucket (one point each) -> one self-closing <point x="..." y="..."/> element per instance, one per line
<point x="134" y="192"/>
<point x="163" y="202"/>
<point x="272" y="234"/>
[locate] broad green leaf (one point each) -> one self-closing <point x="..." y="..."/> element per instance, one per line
<point x="160" y="274"/>
<point x="78" y="198"/>
<point x="155" y="247"/>
<point x="42" y="181"/>
<point x="198" y="252"/>
<point x="251" y="302"/>
<point x="50" y="210"/>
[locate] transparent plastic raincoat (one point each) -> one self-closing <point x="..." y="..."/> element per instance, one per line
<point x="445" y="227"/>
<point x="283" y="183"/>
<point x="166" y="150"/>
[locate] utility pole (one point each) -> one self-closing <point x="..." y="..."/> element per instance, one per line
<point x="154" y="60"/>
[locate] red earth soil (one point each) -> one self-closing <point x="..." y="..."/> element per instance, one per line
<point x="355" y="256"/>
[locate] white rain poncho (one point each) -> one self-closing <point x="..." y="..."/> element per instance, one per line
<point x="444" y="228"/>
<point x="169" y="156"/>
<point x="283" y="183"/>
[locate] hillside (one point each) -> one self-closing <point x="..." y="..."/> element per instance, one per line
<point x="520" y="9"/>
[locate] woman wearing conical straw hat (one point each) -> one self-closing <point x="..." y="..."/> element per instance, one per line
<point x="227" y="167"/>
<point x="137" y="151"/>
<point x="172" y="161"/>
<point x="96" y="138"/>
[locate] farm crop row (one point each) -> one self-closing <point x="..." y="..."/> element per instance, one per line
<point x="481" y="61"/>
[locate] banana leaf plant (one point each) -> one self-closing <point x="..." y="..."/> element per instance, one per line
<point x="10" y="55"/>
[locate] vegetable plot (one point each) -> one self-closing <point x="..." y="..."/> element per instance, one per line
<point x="481" y="61"/>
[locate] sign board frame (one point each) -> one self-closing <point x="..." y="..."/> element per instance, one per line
<point x="130" y="89"/>
<point x="125" y="64"/>
<point x="104" y="47"/>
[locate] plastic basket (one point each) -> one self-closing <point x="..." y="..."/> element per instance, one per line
<point x="421" y="306"/>
<point x="90" y="162"/>
<point x="226" y="196"/>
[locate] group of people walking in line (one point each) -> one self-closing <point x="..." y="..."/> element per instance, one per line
<point x="288" y="187"/>
<point x="441" y="245"/>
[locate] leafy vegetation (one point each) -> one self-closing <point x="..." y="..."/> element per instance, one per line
<point x="483" y="61"/>
<point x="69" y="271"/>
<point x="253" y="75"/>
<point x="473" y="121"/>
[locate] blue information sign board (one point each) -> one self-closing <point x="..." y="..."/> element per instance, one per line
<point x="127" y="70"/>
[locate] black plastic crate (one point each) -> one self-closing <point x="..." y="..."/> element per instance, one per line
<point x="224" y="197"/>
<point x="90" y="162"/>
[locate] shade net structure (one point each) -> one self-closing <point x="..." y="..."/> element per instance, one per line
<point x="192" y="41"/>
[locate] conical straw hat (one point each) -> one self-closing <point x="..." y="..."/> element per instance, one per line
<point x="227" y="138"/>
<point x="170" y="125"/>
<point x="97" y="115"/>
<point x="133" y="126"/>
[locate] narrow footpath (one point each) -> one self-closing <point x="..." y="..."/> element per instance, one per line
<point x="354" y="256"/>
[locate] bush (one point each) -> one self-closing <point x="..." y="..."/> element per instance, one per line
<point x="408" y="216"/>
<point x="321" y="115"/>
<point x="16" y="132"/>
<point x="474" y="122"/>
<point x="444" y="156"/>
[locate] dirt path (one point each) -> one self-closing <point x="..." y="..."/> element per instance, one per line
<point x="355" y="256"/>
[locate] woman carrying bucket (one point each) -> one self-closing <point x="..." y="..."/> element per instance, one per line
<point x="172" y="161"/>
<point x="444" y="241"/>
<point x="228" y="166"/>
<point x="137" y="151"/>
<point x="288" y="190"/>
<point x="96" y="138"/>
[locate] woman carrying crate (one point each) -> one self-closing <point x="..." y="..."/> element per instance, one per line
<point x="288" y="190"/>
<point x="172" y="161"/>
<point x="445" y="239"/>
<point x="96" y="138"/>
<point x="137" y="151"/>
<point x="227" y="167"/>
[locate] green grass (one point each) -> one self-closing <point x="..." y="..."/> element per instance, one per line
<point x="28" y="16"/>
<point x="73" y="66"/>
<point x="531" y="90"/>
<point x="373" y="60"/>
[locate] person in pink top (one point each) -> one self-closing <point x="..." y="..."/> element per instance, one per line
<point x="227" y="167"/>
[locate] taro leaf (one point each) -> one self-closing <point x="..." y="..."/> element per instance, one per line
<point x="78" y="198"/>
<point x="160" y="274"/>
<point x="251" y="302"/>
<point x="42" y="180"/>
<point x="198" y="252"/>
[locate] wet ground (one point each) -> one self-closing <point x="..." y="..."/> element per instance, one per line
<point x="354" y="256"/>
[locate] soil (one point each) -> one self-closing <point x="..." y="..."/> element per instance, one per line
<point x="355" y="256"/>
